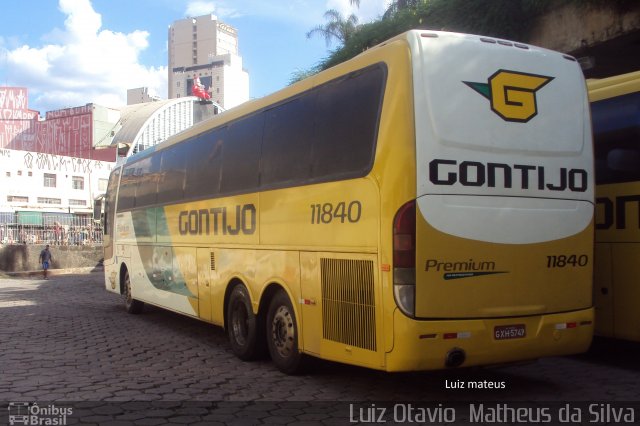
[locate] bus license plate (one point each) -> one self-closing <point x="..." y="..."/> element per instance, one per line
<point x="504" y="332"/>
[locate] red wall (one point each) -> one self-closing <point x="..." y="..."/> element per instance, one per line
<point x="17" y="122"/>
<point x="67" y="132"/>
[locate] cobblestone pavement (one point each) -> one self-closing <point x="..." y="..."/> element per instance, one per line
<point x="68" y="341"/>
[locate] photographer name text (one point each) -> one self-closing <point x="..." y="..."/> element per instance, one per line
<point x="601" y="413"/>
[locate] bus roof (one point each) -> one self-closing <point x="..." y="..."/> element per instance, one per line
<point x="610" y="87"/>
<point x="322" y="77"/>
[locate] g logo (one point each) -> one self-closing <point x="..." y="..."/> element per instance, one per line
<point x="512" y="94"/>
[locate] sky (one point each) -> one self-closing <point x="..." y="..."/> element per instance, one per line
<point x="69" y="53"/>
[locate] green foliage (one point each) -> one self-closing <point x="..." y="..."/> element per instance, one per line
<point x="507" y="19"/>
<point x="337" y="26"/>
<point x="302" y="74"/>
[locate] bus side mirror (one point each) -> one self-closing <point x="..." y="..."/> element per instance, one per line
<point x="97" y="210"/>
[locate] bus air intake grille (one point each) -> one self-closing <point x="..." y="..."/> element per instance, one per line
<point x="348" y="302"/>
<point x="213" y="261"/>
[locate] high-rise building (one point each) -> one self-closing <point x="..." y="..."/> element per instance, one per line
<point x="141" y="95"/>
<point x="206" y="48"/>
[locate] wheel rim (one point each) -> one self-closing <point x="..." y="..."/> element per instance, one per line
<point x="240" y="323"/>
<point x="127" y="285"/>
<point x="283" y="332"/>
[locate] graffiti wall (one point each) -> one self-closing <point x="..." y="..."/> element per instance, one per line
<point x="67" y="132"/>
<point x="17" y="122"/>
<point x="40" y="181"/>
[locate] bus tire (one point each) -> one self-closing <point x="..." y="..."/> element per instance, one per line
<point x="282" y="335"/>
<point x="243" y="325"/>
<point x="131" y="305"/>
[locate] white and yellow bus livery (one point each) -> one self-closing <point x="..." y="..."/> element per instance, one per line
<point x="427" y="204"/>
<point x="615" y="111"/>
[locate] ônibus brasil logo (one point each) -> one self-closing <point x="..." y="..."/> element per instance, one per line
<point x="512" y="94"/>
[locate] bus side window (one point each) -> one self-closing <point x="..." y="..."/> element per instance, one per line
<point x="347" y="113"/>
<point x="241" y="155"/>
<point x="127" y="192"/>
<point x="204" y="161"/>
<point x="624" y="160"/>
<point x="172" y="177"/>
<point x="146" y="190"/>
<point x="616" y="134"/>
<point x="286" y="147"/>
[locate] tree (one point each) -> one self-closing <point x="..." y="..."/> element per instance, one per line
<point x="508" y="19"/>
<point x="400" y="5"/>
<point x="337" y="27"/>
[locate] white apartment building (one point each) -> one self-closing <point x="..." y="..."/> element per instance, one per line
<point x="36" y="181"/>
<point x="206" y="48"/>
<point x="141" y="95"/>
<point x="47" y="198"/>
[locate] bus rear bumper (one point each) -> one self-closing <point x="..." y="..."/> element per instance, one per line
<point x="433" y="344"/>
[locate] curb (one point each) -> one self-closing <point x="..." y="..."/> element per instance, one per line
<point x="52" y="272"/>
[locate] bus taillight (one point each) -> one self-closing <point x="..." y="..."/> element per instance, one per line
<point x="404" y="258"/>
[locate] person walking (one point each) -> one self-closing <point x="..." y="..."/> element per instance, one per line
<point x="45" y="258"/>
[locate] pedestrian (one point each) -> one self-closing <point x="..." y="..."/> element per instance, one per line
<point x="57" y="233"/>
<point x="45" y="258"/>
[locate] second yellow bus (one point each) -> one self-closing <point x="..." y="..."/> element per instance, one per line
<point x="615" y="109"/>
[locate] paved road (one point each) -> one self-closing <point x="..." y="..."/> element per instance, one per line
<point x="67" y="339"/>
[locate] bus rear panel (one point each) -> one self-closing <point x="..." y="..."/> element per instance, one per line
<point x="502" y="254"/>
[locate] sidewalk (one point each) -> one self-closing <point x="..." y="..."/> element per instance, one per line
<point x="53" y="272"/>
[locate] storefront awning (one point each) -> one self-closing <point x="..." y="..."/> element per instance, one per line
<point x="29" y="218"/>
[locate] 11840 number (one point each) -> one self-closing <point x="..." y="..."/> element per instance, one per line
<point x="343" y="212"/>
<point x="562" y="261"/>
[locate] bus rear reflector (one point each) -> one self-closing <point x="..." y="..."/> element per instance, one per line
<point x="565" y="325"/>
<point x="458" y="335"/>
<point x="404" y="258"/>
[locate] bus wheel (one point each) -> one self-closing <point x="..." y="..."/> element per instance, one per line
<point x="282" y="335"/>
<point x="131" y="305"/>
<point x="242" y="325"/>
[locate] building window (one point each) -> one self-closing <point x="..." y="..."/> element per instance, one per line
<point x="77" y="182"/>
<point x="8" y="174"/>
<point x="49" y="180"/>
<point x="77" y="202"/>
<point x="102" y="184"/>
<point x="30" y="173"/>
<point x="44" y="200"/>
<point x="17" y="199"/>
<point x="19" y="172"/>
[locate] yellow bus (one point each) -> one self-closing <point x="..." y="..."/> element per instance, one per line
<point x="427" y="204"/>
<point x="615" y="112"/>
